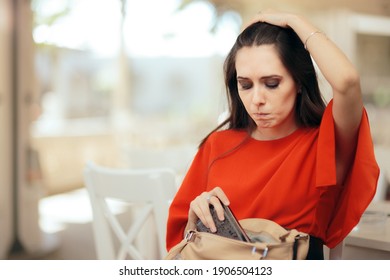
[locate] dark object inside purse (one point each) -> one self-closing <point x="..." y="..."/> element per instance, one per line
<point x="229" y="227"/>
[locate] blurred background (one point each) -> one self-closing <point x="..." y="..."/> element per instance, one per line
<point x="131" y="83"/>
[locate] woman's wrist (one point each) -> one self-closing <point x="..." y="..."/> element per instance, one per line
<point x="314" y="33"/>
<point x="304" y="29"/>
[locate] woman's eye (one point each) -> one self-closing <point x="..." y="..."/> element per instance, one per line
<point x="272" y="84"/>
<point x="245" y="85"/>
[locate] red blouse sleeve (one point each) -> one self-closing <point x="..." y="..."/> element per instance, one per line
<point x="354" y="196"/>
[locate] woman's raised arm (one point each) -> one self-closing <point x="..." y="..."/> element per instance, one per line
<point x="340" y="74"/>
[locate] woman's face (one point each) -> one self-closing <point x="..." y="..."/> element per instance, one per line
<point x="267" y="91"/>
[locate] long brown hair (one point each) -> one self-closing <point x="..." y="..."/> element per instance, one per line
<point x="310" y="105"/>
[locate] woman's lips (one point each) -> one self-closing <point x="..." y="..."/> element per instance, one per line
<point x="261" y="115"/>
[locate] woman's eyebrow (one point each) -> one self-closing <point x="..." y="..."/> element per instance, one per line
<point x="261" y="78"/>
<point x="271" y="77"/>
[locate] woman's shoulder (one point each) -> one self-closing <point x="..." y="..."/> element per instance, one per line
<point x="223" y="139"/>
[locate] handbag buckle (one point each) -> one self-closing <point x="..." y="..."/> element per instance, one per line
<point x="189" y="235"/>
<point x="263" y="255"/>
<point x="301" y="236"/>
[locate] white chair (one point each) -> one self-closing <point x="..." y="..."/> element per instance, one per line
<point x="149" y="190"/>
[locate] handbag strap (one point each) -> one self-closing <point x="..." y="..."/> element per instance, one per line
<point x="297" y="238"/>
<point x="316" y="249"/>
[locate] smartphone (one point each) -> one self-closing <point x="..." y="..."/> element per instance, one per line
<point x="230" y="227"/>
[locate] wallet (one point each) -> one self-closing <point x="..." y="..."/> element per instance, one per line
<point x="230" y="227"/>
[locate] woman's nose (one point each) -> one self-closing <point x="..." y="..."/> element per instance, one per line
<point x="258" y="95"/>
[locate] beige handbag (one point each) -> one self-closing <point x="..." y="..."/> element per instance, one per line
<point x="270" y="241"/>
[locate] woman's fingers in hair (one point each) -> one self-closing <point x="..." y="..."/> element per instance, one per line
<point x="270" y="16"/>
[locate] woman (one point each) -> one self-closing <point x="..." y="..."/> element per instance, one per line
<point x="286" y="156"/>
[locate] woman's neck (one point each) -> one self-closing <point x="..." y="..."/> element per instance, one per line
<point x="266" y="134"/>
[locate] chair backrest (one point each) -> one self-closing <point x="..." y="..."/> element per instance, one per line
<point x="149" y="190"/>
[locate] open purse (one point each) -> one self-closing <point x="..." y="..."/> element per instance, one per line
<point x="247" y="239"/>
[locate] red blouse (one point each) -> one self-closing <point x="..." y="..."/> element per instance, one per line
<point x="291" y="180"/>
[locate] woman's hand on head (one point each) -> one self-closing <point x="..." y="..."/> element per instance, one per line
<point x="200" y="208"/>
<point x="272" y="17"/>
